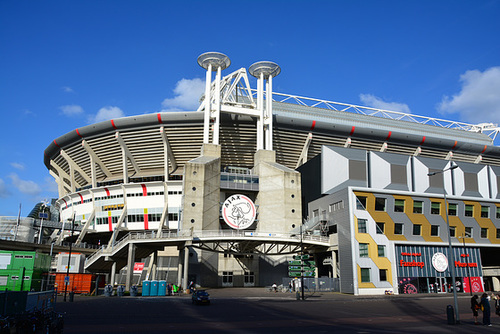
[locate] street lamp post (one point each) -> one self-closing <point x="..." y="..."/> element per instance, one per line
<point x="450" y="249"/>
<point x="66" y="283"/>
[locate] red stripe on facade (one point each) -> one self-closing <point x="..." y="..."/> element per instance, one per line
<point x="110" y="224"/>
<point x="113" y="124"/>
<point x="352" y="131"/>
<point x="485" y="147"/>
<point x="144" y="190"/>
<point x="455" y="145"/>
<point x="107" y="192"/>
<point x="423" y="140"/>
<point x="159" y="118"/>
<point x="81" y="197"/>
<point x="313" y="125"/>
<point x="388" y="136"/>
<point x="56" y="143"/>
<point x="78" y="133"/>
<point x="146" y="222"/>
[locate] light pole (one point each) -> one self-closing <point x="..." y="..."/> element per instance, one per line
<point x="40" y="234"/>
<point x="66" y="283"/>
<point x="450" y="249"/>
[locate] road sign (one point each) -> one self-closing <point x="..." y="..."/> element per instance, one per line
<point x="43" y="215"/>
<point x="294" y="263"/>
<point x="66" y="280"/>
<point x="295" y="268"/>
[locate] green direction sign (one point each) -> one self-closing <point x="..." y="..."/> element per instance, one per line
<point x="298" y="274"/>
<point x="301" y="257"/>
<point x="310" y="263"/>
<point x="309" y="274"/>
<point x="294" y="263"/>
<point x="295" y="268"/>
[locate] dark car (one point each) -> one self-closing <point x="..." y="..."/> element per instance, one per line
<point x="200" y="297"/>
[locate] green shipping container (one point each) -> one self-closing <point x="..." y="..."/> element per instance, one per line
<point x="22" y="270"/>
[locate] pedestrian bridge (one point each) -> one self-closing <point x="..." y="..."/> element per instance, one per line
<point x="233" y="241"/>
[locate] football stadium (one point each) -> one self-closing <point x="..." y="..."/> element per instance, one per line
<point x="257" y="187"/>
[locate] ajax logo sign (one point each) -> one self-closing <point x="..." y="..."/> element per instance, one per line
<point x="238" y="212"/>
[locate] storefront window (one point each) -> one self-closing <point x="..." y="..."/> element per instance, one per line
<point x="365" y="275"/>
<point x="435" y="208"/>
<point x="418" y="206"/>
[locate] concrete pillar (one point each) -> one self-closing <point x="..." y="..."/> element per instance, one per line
<point x="334" y="265"/>
<point x="179" y="268"/>
<point x="130" y="266"/>
<point x="186" y="267"/>
<point x="113" y="274"/>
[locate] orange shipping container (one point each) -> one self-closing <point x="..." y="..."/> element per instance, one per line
<point x="78" y="283"/>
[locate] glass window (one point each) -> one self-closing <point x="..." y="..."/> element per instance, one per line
<point x="498" y="212"/>
<point x="361" y="225"/>
<point x="249" y="277"/>
<point x="398" y="228"/>
<point x="453" y="231"/>
<point x="435" y="208"/>
<point x="417" y="229"/>
<point x="381" y="250"/>
<point x="399" y="205"/>
<point x="363" y="250"/>
<point x="468" y="232"/>
<point x="434" y="230"/>
<point x="498" y="233"/>
<point x="418" y="206"/>
<point x="227" y="277"/>
<point x="452" y="209"/>
<point x="469" y="210"/>
<point x="379" y="204"/>
<point x="485" y="211"/>
<point x="380" y="228"/>
<point x="365" y="275"/>
<point x="484" y="232"/>
<point x="383" y="275"/>
<point x="361" y="202"/>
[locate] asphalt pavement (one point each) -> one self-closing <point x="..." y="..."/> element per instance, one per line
<point x="257" y="310"/>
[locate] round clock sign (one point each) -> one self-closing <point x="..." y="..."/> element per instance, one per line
<point x="440" y="262"/>
<point x="238" y="212"/>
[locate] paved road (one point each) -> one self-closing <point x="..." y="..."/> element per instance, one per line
<point x="256" y="310"/>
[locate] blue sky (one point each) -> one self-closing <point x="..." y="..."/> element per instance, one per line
<point x="65" y="64"/>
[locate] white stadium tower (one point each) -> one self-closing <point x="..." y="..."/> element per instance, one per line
<point x="230" y="194"/>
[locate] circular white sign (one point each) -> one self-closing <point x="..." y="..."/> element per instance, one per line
<point x="440" y="262"/>
<point x="238" y="212"/>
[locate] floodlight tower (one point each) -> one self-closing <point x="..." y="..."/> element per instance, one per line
<point x="264" y="70"/>
<point x="212" y="61"/>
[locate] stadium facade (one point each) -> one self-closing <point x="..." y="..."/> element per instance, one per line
<point x="228" y="194"/>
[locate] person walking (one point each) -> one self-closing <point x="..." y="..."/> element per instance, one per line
<point x="485" y="306"/>
<point x="474" y="305"/>
<point x="497" y="304"/>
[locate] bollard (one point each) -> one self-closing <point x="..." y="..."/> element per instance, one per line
<point x="297" y="295"/>
<point x="450" y="314"/>
<point x="71" y="296"/>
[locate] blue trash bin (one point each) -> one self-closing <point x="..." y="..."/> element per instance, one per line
<point x="162" y="288"/>
<point x="146" y="288"/>
<point x="154" y="288"/>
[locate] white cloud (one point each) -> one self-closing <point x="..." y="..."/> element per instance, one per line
<point x="67" y="89"/>
<point x="376" y="102"/>
<point x="107" y="113"/>
<point x="4" y="192"/>
<point x="25" y="186"/>
<point x="188" y="93"/>
<point x="479" y="99"/>
<point x="17" y="165"/>
<point x="71" y="110"/>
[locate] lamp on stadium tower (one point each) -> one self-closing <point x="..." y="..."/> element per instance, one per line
<point x="263" y="70"/>
<point x="450" y="249"/>
<point x="212" y="61"/>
